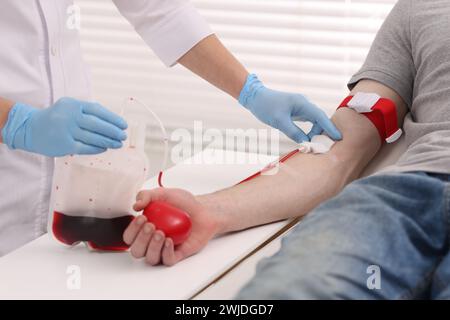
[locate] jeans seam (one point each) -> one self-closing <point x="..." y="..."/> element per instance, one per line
<point x="413" y="292"/>
<point x="440" y="284"/>
<point x="446" y="218"/>
<point x="446" y="213"/>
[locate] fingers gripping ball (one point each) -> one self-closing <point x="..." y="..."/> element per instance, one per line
<point x="175" y="223"/>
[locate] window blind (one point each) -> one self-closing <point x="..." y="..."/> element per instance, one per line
<point x="310" y="47"/>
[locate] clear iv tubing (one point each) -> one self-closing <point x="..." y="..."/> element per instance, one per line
<point x="163" y="130"/>
<point x="271" y="165"/>
<point x="166" y="146"/>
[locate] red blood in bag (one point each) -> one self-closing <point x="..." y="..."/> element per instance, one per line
<point x="102" y="234"/>
<point x="175" y="223"/>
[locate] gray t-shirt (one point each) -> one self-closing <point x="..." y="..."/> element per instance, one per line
<point x="411" y="55"/>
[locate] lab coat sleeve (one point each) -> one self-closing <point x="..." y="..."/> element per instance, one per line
<point x="170" y="27"/>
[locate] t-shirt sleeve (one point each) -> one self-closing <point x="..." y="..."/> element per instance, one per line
<point x="390" y="59"/>
<point x="170" y="27"/>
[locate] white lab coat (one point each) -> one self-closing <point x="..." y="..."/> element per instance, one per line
<point x="40" y="62"/>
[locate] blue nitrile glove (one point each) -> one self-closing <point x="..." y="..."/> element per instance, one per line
<point x="68" y="127"/>
<point x="280" y="110"/>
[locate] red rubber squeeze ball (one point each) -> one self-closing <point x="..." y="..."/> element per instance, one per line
<point x="175" y="223"/>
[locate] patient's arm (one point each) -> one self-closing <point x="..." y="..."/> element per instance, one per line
<point x="302" y="182"/>
<point x="305" y="180"/>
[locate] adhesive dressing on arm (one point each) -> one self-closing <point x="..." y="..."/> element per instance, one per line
<point x="319" y="144"/>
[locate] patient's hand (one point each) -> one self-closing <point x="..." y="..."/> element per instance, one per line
<point x="152" y="244"/>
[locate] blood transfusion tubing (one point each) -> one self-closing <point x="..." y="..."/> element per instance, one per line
<point x="319" y="144"/>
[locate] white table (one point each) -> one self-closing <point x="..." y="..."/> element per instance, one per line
<point x="45" y="269"/>
<point x="230" y="283"/>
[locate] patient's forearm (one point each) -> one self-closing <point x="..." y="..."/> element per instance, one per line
<point x="305" y="180"/>
<point x="302" y="182"/>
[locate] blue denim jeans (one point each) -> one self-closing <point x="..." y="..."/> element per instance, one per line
<point x="382" y="237"/>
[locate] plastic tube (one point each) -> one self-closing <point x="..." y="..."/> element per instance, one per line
<point x="163" y="130"/>
<point x="271" y="165"/>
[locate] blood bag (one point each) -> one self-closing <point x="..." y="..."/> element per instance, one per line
<point x="92" y="195"/>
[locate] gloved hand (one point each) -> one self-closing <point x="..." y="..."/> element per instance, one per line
<point x="280" y="110"/>
<point x="68" y="127"/>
